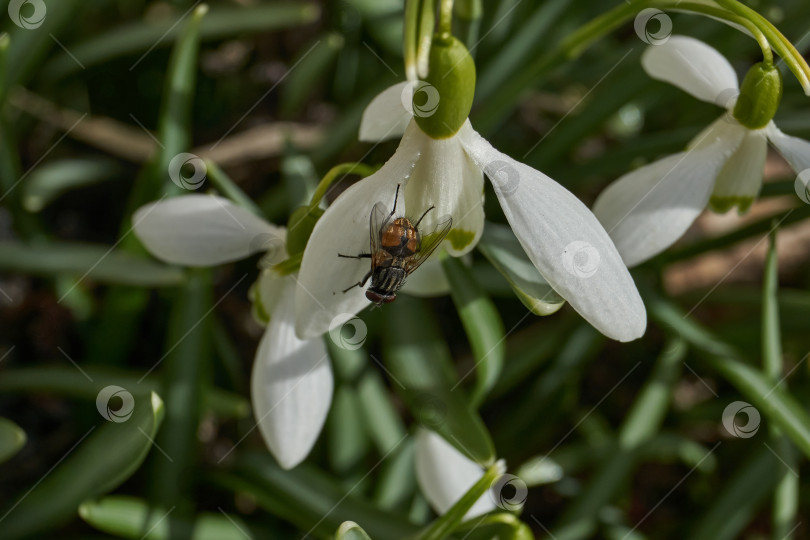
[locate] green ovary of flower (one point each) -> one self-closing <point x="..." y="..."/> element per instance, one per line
<point x="452" y="76"/>
<point x="760" y="95"/>
<point x="299" y="228"/>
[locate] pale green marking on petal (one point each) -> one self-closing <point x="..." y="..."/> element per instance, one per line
<point x="721" y="205"/>
<point x="535" y="305"/>
<point x="460" y="238"/>
<point x="258" y="311"/>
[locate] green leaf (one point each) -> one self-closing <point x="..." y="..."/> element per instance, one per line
<point x="775" y="403"/>
<point x="87" y="262"/>
<point x="69" y="381"/>
<point x="422" y="373"/>
<point x="130" y="517"/>
<point x="347" y="439"/>
<point x="99" y="462"/>
<point x="224" y="22"/>
<point x="305" y="496"/>
<point x="502" y="248"/>
<point x="12" y="439"/>
<point x="503" y="526"/>
<point x="349" y="530"/>
<point x="51" y="180"/>
<point x="482" y="323"/>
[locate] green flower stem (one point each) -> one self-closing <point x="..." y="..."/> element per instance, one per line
<point x="576" y="43"/>
<point x="792" y="57"/>
<point x="427" y="23"/>
<point x="338" y="172"/>
<point x="410" y="37"/>
<point x="228" y="188"/>
<point x="786" y="494"/>
<point x="450" y="520"/>
<point x="446" y="17"/>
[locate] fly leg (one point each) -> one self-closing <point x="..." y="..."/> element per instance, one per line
<point x="396" y="196"/>
<point x="360" y="256"/>
<point x="416" y="225"/>
<point x="359" y="283"/>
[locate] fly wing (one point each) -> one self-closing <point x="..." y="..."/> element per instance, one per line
<point x="378" y="221"/>
<point x="430" y="241"/>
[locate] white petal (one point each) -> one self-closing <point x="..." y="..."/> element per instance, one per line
<point x="796" y="151"/>
<point x="566" y="243"/>
<point x="385" y="117"/>
<point x="291" y="385"/>
<point x="429" y="281"/>
<point x="445" y="474"/>
<point x="344" y="229"/>
<point x="203" y="230"/>
<point x="694" y="67"/>
<point x="446" y="178"/>
<point x="740" y="180"/>
<point x="647" y="210"/>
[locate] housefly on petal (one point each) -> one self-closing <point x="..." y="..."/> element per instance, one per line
<point x="397" y="248"/>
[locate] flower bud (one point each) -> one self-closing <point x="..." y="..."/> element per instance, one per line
<point x="299" y="228"/>
<point x="452" y="75"/>
<point x="759" y="97"/>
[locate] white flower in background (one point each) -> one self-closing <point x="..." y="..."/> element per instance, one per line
<point x="444" y="474"/>
<point x="445" y="169"/>
<point x="647" y="210"/>
<point x="291" y="382"/>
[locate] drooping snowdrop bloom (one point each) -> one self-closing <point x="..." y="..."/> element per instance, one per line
<point x="441" y="162"/>
<point x="291" y="382"/>
<point x="648" y="209"/>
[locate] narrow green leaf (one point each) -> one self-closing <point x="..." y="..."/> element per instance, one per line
<point x="133" y="518"/>
<point x="450" y="520"/>
<point x="482" y="323"/>
<point x="347" y="439"/>
<point x="87" y="262"/>
<point x="502" y="248"/>
<point x="186" y="370"/>
<point x="305" y="496"/>
<point x="100" y="461"/>
<point x="68" y="381"/>
<point x="12" y="439"/>
<point x="51" y="180"/>
<point x="397" y="479"/>
<point x="312" y="65"/>
<point x="383" y="422"/>
<point x="776" y="404"/>
<point x="503" y="526"/>
<point x="227" y="187"/>
<point x="349" y="530"/>
<point x="422" y="373"/>
<point x="736" y="504"/>
<point x="224" y="22"/>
